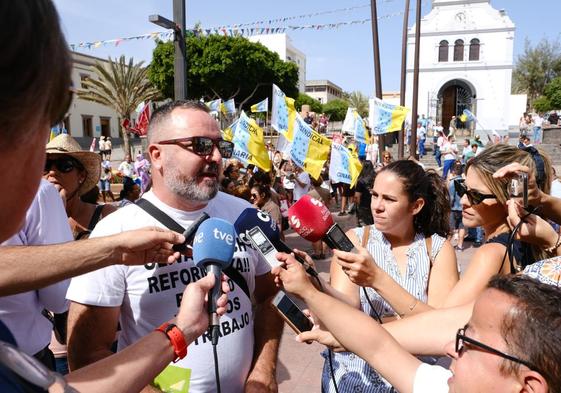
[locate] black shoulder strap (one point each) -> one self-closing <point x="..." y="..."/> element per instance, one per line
<point x="95" y="217"/>
<point x="171" y="224"/>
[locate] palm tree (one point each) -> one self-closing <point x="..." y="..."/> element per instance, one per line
<point x="120" y="86"/>
<point x="358" y="101"/>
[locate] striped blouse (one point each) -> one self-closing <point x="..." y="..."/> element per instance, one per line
<point x="352" y="373"/>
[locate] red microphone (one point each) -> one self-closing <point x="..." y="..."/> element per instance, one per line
<point x="312" y="220"/>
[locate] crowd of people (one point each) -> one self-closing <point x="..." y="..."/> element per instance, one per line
<point x="137" y="316"/>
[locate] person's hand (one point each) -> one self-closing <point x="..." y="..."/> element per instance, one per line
<point x="261" y="382"/>
<point x="534" y="229"/>
<point x="146" y="245"/>
<point x="511" y="170"/>
<point x="306" y="257"/>
<point x="192" y="318"/>
<point x="294" y="278"/>
<point x="360" y="268"/>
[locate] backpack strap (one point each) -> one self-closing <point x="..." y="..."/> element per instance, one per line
<point x="171" y="224"/>
<point x="95" y="217"/>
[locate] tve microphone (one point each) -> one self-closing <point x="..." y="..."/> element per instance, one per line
<point x="213" y="248"/>
<point x="312" y="220"/>
<point x="258" y="226"/>
<point x="190" y="233"/>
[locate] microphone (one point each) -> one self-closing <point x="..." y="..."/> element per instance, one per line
<point x="246" y="225"/>
<point x="213" y="248"/>
<point x="312" y="220"/>
<point x="189" y="233"/>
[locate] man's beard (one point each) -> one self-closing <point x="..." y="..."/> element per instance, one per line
<point x="190" y="188"/>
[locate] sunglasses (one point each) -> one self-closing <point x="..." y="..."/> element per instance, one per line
<point x="462" y="342"/>
<point x="474" y="197"/>
<point x="30" y="369"/>
<point x="62" y="164"/>
<point x="253" y="196"/>
<point x="202" y="146"/>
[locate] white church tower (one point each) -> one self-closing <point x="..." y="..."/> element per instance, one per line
<point x="466" y="62"/>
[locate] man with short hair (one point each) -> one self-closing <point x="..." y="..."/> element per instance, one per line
<point x="186" y="151"/>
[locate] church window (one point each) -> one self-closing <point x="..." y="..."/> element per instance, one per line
<point x="459" y="50"/>
<point x="474" y="50"/>
<point x="443" y="51"/>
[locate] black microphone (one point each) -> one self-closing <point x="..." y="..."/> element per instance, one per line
<point x="252" y="218"/>
<point x="213" y="248"/>
<point x="189" y="233"/>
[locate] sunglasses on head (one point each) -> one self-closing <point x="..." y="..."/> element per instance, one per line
<point x="202" y="146"/>
<point x="474" y="197"/>
<point x="62" y="164"/>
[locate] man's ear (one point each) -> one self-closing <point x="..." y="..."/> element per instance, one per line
<point x="534" y="382"/>
<point x="155" y="155"/>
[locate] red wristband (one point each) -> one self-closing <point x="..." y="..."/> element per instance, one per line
<point x="176" y="338"/>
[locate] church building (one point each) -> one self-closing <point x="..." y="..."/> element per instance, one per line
<point x="466" y="62"/>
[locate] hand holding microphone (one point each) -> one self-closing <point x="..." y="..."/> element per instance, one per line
<point x="213" y="248"/>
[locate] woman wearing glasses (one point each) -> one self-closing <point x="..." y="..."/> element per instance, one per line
<point x="74" y="172"/>
<point x="404" y="264"/>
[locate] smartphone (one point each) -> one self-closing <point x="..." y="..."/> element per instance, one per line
<point x="291" y="313"/>
<point x="519" y="188"/>
<point x="263" y="245"/>
<point x="335" y="238"/>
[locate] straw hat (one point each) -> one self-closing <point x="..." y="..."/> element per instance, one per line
<point x="65" y="144"/>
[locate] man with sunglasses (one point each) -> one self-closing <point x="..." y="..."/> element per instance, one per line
<point x="186" y="151"/>
<point x="504" y="346"/>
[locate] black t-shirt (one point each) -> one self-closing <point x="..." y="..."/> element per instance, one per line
<point x="365" y="196"/>
<point x="9" y="381"/>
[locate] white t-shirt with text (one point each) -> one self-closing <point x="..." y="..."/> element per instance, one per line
<point x="150" y="295"/>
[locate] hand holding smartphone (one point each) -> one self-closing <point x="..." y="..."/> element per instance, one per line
<point x="291" y="313"/>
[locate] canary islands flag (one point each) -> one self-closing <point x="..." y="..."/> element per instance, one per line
<point x="228" y="133"/>
<point x="467" y="115"/>
<point x="249" y="143"/>
<point x="283" y="114"/>
<point x="354" y="124"/>
<point x="309" y="149"/>
<point x="262" y="106"/>
<point x="344" y="166"/>
<point x="228" y="107"/>
<point x="385" y="117"/>
<point x="214" y="105"/>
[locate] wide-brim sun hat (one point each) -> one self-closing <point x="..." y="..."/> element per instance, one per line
<point x="65" y="144"/>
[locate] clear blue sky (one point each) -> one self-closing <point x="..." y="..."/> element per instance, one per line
<point x="343" y="55"/>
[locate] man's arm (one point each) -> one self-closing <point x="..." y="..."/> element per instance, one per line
<point x="267" y="330"/>
<point x="20" y="264"/>
<point x="91" y="333"/>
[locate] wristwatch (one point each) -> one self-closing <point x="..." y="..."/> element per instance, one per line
<point x="176" y="338"/>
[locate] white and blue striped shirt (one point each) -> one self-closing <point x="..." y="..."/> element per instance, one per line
<point x="352" y="373"/>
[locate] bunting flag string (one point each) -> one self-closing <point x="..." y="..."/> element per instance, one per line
<point x="227" y="31"/>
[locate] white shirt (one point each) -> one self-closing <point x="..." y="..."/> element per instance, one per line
<point x="126" y="168"/>
<point x="538" y="121"/>
<point x="299" y="190"/>
<point x="46" y="222"/>
<point x="150" y="295"/>
<point x="431" y="379"/>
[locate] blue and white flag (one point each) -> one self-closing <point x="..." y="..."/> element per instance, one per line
<point x="214" y="105"/>
<point x="229" y="107"/>
<point x="344" y="166"/>
<point x="262" y="106"/>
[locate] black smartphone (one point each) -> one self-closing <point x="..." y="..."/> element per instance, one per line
<point x="291" y="313"/>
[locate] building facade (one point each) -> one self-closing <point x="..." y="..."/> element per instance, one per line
<point x="282" y="45"/>
<point x="87" y="119"/>
<point x="466" y="62"/>
<point x="323" y="90"/>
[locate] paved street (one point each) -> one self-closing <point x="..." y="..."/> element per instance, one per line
<point x="300" y="365"/>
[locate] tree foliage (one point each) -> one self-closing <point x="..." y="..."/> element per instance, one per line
<point x="336" y="109"/>
<point x="536" y="67"/>
<point x="553" y="93"/>
<point x="304" y="99"/>
<point x="542" y="104"/>
<point x="224" y="67"/>
<point x="358" y="101"/>
<point x="120" y="86"/>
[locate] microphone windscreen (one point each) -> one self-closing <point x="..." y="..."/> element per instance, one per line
<point x="251" y="218"/>
<point x="215" y="242"/>
<point x="310" y="218"/>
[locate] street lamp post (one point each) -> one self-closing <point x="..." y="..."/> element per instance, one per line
<point x="180" y="58"/>
<point x="400" y="151"/>
<point x="413" y="147"/>
<point x="377" y="68"/>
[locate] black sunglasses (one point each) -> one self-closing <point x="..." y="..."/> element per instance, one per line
<point x="62" y="164"/>
<point x="252" y="196"/>
<point x="474" y="197"/>
<point x="462" y="339"/>
<point x="202" y="146"/>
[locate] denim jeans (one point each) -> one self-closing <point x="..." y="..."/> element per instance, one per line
<point x="447" y="166"/>
<point x="422" y="151"/>
<point x="537" y="135"/>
